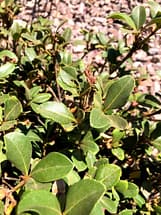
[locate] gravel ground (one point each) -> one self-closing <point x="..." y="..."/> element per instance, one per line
<point x="91" y="15"/>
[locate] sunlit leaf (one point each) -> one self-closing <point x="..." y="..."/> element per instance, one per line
<point x="12" y="108"/>
<point x="41" y="97"/>
<point x="155" y="8"/>
<point x="139" y="16"/>
<point x="125" y="18"/>
<point x="119" y="153"/>
<point x="98" y="209"/>
<point x="18" y="150"/>
<point x="6" y="70"/>
<point x="78" y="202"/>
<point x="52" y="167"/>
<point x="98" y="119"/>
<point x="40" y="202"/>
<point x="108" y="174"/>
<point x="109" y="204"/>
<point x="88" y="144"/>
<point x="119" y="92"/>
<point x="9" y="54"/>
<point x="57" y="112"/>
<point x="67" y="34"/>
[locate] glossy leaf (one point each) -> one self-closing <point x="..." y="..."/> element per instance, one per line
<point x="127" y="212"/>
<point x="88" y="144"/>
<point x="66" y="81"/>
<point x="71" y="178"/>
<point x="52" y="167"/>
<point x="119" y="92"/>
<point x="156" y="21"/>
<point x="67" y="34"/>
<point x="41" y="98"/>
<point x="18" y="150"/>
<point x="108" y="174"/>
<point x="98" y="119"/>
<point x="117" y="122"/>
<point x="155" y="9"/>
<point x="139" y="16"/>
<point x="98" y="209"/>
<point x="40" y="202"/>
<point x="131" y="191"/>
<point x="31" y="184"/>
<point x="1" y="207"/>
<point x="6" y="70"/>
<point x="119" y="153"/>
<point x="31" y="54"/>
<point x="125" y="18"/>
<point x="157" y="143"/>
<point x="57" y="112"/>
<point x="78" y="202"/>
<point x="12" y="108"/>
<point x="102" y="38"/>
<point x="8" y="125"/>
<point x="122" y="186"/>
<point x="140" y="201"/>
<point x="9" y="54"/>
<point x="109" y="204"/>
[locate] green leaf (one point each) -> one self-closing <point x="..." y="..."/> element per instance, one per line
<point x="156" y="21"/>
<point x="108" y="174"/>
<point x="6" y="70"/>
<point x="9" y="54"/>
<point x="119" y="153"/>
<point x="66" y="58"/>
<point x="155" y="9"/>
<point x="71" y="178"/>
<point x="31" y="54"/>
<point x="1" y="207"/>
<point x="67" y="82"/>
<point x="98" y="119"/>
<point x="102" y="38"/>
<point x="157" y="143"/>
<point x="140" y="201"/>
<point x="122" y="186"/>
<point x="127" y="212"/>
<point x="88" y="144"/>
<point x="12" y="108"/>
<point x="54" y="166"/>
<point x="57" y="112"/>
<point x="67" y="34"/>
<point x="117" y="122"/>
<point x="34" y="91"/>
<point x="132" y="191"/>
<point x="109" y="204"/>
<point x="31" y="184"/>
<point x="119" y="92"/>
<point x="125" y="18"/>
<point x="78" y="160"/>
<point x="18" y="150"/>
<point x="40" y="202"/>
<point x="8" y="125"/>
<point x="98" y="209"/>
<point x="139" y="16"/>
<point x="41" y="98"/>
<point x="82" y="197"/>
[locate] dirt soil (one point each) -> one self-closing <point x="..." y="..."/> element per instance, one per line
<point x="92" y="15"/>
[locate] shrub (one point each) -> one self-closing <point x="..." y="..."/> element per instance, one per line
<point x="76" y="138"/>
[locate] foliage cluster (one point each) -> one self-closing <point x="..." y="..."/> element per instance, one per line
<point x="76" y="138"/>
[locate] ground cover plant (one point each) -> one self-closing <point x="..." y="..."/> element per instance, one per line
<point x="77" y="139"/>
